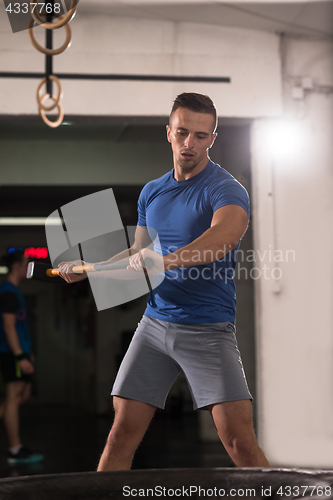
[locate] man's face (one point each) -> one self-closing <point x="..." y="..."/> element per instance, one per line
<point x="191" y="135"/>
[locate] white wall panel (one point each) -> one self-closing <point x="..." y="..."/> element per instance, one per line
<point x="294" y="327"/>
<point x="105" y="44"/>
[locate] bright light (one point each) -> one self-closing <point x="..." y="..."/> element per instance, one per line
<point x="282" y="139"/>
<point x="28" y="221"/>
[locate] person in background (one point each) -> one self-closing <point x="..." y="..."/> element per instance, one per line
<point x="16" y="359"/>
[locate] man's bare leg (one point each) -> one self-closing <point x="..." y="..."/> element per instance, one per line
<point x="14" y="391"/>
<point x="131" y="421"/>
<point x="233" y="421"/>
<point x="26" y="393"/>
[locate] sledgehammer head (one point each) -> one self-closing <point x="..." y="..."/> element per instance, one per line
<point x="41" y="271"/>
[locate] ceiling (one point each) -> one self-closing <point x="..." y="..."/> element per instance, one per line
<point x="309" y="18"/>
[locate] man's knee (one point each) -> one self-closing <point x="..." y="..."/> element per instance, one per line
<point x="122" y="432"/>
<point x="26" y="394"/>
<point x="241" y="444"/>
<point x="234" y="423"/>
<point x="122" y="440"/>
<point x="130" y="424"/>
<point x="13" y="397"/>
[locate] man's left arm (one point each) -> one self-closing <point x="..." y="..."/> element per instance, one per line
<point x="228" y="226"/>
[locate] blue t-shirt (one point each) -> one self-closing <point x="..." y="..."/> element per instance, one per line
<point x="180" y="212"/>
<point x="12" y="301"/>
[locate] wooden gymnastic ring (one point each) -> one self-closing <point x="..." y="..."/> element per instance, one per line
<point x="59" y="96"/>
<point x="44" y="117"/>
<point x="64" y="20"/>
<point x="50" y="52"/>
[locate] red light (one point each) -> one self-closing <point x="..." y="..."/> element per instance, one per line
<point x="38" y="253"/>
<point x="41" y="253"/>
<point x="29" y="252"/>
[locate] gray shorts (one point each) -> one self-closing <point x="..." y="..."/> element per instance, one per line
<point x="206" y="353"/>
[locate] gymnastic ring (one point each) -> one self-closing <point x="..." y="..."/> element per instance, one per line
<point x="44" y="117"/>
<point x="59" y="96"/>
<point x="64" y="20"/>
<point x="50" y="52"/>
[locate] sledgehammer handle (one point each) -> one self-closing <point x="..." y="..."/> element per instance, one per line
<point x="76" y="269"/>
<point x="112" y="266"/>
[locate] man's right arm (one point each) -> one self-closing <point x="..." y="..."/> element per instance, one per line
<point x="141" y="240"/>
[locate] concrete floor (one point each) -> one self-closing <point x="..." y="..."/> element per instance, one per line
<point x="72" y="441"/>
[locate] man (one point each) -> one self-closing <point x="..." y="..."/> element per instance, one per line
<point x="200" y="213"/>
<point x="15" y="355"/>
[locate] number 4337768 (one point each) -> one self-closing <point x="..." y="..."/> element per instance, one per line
<point x="17" y="8"/>
<point x="301" y="491"/>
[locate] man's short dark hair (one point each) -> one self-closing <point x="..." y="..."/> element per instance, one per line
<point x="199" y="103"/>
<point x="12" y="256"/>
